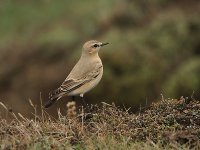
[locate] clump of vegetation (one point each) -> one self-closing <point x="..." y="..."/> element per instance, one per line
<point x="168" y="124"/>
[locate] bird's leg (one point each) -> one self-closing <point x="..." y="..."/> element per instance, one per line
<point x="83" y="99"/>
<point x="73" y="98"/>
<point x="87" y="108"/>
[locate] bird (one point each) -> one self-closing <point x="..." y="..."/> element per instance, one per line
<point x="84" y="76"/>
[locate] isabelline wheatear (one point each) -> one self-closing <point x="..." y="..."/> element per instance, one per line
<point x="85" y="75"/>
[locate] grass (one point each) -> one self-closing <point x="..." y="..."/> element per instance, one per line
<point x="168" y="124"/>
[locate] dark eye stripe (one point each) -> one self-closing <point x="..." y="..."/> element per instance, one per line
<point x="95" y="45"/>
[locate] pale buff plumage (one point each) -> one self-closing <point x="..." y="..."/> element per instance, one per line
<point x="85" y="75"/>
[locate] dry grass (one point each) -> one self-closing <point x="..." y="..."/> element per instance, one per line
<point x="168" y="124"/>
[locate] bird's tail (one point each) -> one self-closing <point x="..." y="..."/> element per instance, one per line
<point x="53" y="97"/>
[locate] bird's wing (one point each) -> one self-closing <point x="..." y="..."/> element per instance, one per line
<point x="66" y="87"/>
<point x="71" y="84"/>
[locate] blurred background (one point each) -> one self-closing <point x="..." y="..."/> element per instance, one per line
<point x="154" y="48"/>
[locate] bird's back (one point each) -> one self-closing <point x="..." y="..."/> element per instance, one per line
<point x="84" y="66"/>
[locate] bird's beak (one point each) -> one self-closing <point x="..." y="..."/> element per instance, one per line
<point x="104" y="44"/>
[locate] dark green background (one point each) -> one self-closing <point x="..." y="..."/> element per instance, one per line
<point x="154" y="48"/>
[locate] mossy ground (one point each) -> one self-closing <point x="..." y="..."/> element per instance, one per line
<point x="168" y="124"/>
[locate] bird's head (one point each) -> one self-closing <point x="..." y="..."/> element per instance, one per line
<point x="92" y="47"/>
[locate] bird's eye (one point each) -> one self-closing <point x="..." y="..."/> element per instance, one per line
<point x="95" y="45"/>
